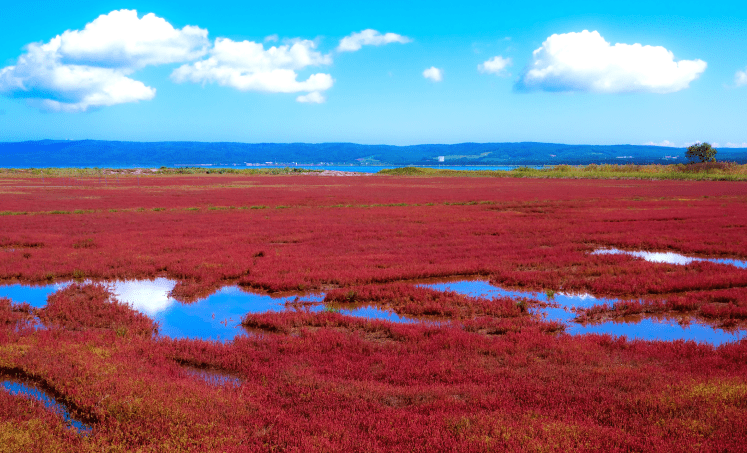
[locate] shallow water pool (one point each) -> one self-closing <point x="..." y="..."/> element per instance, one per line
<point x="645" y="328"/>
<point x="670" y="257"/>
<point x="217" y="317"/>
<point x="29" y="391"/>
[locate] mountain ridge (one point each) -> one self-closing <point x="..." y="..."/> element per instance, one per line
<point x="101" y="153"/>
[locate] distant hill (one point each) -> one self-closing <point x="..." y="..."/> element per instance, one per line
<point x="92" y="153"/>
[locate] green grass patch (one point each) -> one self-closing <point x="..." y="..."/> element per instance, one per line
<point x="716" y="171"/>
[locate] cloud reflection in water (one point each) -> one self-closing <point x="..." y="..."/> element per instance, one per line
<point x="670" y="257"/>
<point x="148" y="296"/>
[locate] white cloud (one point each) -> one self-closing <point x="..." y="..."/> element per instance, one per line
<point x="247" y="66"/>
<point x="736" y="145"/>
<point x="697" y="142"/>
<point x="666" y="143"/>
<point x="496" y="65"/>
<point x="87" y="68"/>
<point x="434" y="74"/>
<point x="147" y="296"/>
<point x="369" y="37"/>
<point x="314" y="97"/>
<point x="586" y="62"/>
<point x="93" y="67"/>
<point x="740" y="78"/>
<point x="121" y="40"/>
<point x="40" y="77"/>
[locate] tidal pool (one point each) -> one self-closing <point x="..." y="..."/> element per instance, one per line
<point x="218" y="316"/>
<point x="20" y="388"/>
<point x="215" y="317"/>
<point x="369" y="312"/>
<point x="670" y="257"/>
<point x="645" y="328"/>
<point x="36" y="296"/>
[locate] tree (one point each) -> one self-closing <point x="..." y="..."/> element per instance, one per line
<point x="701" y="151"/>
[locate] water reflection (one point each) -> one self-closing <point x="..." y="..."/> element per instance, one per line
<point x="645" y="329"/>
<point x="670" y="257"/>
<point x="656" y="329"/>
<point x="20" y="388"/>
<point x="36" y="296"/>
<point x="377" y="313"/>
<point x="480" y="288"/>
<point x="147" y="296"/>
<point x="217" y="317"/>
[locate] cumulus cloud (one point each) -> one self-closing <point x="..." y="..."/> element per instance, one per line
<point x="50" y="85"/>
<point x="87" y="68"/>
<point x="434" y="74"/>
<point x="121" y="40"/>
<point x="496" y="65"/>
<point x="314" y="97"/>
<point x="369" y="37"/>
<point x="740" y="78"/>
<point x="586" y="62"/>
<point x="666" y="143"/>
<point x="247" y="66"/>
<point x="93" y="67"/>
<point x="736" y="145"/>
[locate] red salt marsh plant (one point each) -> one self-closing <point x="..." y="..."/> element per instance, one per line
<point x="330" y="382"/>
<point x="418" y="301"/>
<point x="228" y="191"/>
<point x="92" y="306"/>
<point x="222" y="247"/>
<point x="27" y="426"/>
<point x="725" y="307"/>
<point x="326" y="381"/>
<point x="528" y="234"/>
<point x="15" y="315"/>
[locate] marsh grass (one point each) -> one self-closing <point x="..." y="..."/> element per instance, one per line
<point x="712" y="171"/>
<point x="708" y="171"/>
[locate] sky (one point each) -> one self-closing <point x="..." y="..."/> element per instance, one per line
<point x="386" y="72"/>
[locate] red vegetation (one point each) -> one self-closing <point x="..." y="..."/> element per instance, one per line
<point x="493" y="379"/>
<point x="417" y="301"/>
<point x="728" y="307"/>
<point x="292" y="322"/>
<point x="80" y="307"/>
<point x="15" y="315"/>
<point x="316" y="232"/>
<point x="20" y="422"/>
<point x="344" y="384"/>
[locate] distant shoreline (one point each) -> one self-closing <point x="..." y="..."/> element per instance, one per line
<point x="716" y="171"/>
<point x="114" y="154"/>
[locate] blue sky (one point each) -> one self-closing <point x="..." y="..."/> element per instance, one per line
<point x="448" y="72"/>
